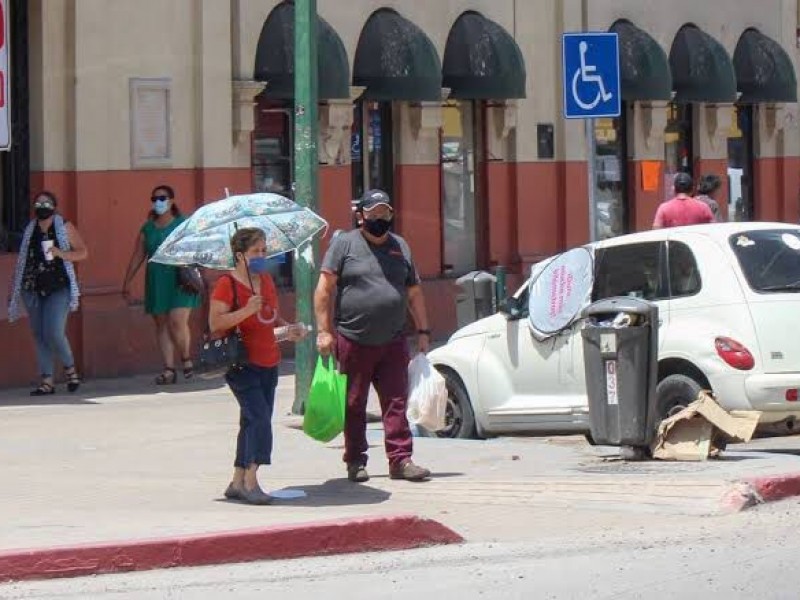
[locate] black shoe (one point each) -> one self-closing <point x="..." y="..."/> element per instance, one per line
<point x="44" y="389"/>
<point x="357" y="473"/>
<point x="73" y="380"/>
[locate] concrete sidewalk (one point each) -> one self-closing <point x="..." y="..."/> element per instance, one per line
<point x="125" y="461"/>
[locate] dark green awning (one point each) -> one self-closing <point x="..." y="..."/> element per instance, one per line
<point x="395" y="60"/>
<point x="701" y="69"/>
<point x="764" y="71"/>
<point x="482" y="61"/>
<point x="275" y="57"/>
<point x="643" y="64"/>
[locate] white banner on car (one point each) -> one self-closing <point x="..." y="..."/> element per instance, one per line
<point x="560" y="289"/>
<point x="5" y="66"/>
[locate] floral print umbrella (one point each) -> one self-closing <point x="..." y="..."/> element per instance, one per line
<point x="204" y="238"/>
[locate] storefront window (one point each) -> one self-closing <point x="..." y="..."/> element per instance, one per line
<point x="740" y="166"/>
<point x="610" y="193"/>
<point x="678" y="154"/>
<point x="272" y="165"/>
<point x="373" y="162"/>
<point x="459" y="207"/>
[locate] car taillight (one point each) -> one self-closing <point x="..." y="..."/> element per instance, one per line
<point x="734" y="353"/>
<point x="791" y="395"/>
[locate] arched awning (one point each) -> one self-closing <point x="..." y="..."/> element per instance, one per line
<point x="643" y="64"/>
<point x="482" y="61"/>
<point x="764" y="71"/>
<point x="701" y="69"/>
<point x="395" y="60"/>
<point x="275" y="57"/>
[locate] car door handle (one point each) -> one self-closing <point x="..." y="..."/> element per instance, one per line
<point x="494" y="336"/>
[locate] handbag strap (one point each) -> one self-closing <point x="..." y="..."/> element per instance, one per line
<point x="235" y="306"/>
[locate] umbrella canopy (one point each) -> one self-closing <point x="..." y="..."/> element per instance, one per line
<point x="204" y="238"/>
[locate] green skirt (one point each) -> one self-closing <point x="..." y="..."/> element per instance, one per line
<point x="162" y="292"/>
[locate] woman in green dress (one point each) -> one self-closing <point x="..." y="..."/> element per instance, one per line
<point x="164" y="299"/>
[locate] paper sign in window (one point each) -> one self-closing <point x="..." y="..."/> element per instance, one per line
<point x="651" y="175"/>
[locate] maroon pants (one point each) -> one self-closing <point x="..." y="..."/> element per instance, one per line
<point x="385" y="367"/>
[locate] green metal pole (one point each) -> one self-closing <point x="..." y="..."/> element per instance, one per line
<point x="305" y="178"/>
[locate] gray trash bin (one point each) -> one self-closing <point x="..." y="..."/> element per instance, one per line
<point x="621" y="367"/>
<point x="476" y="297"/>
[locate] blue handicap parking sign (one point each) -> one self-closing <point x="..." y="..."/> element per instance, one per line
<point x="591" y="75"/>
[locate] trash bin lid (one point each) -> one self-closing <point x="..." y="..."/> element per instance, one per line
<point x="618" y="304"/>
<point x="559" y="291"/>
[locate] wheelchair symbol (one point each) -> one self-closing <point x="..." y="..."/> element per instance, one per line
<point x="586" y="74"/>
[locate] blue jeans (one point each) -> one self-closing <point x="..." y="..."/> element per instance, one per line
<point x="48" y="318"/>
<point x="254" y="388"/>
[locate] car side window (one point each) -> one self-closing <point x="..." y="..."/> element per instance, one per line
<point x="684" y="276"/>
<point x="630" y="270"/>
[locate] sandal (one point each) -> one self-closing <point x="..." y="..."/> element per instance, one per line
<point x="73" y="380"/>
<point x="168" y="377"/>
<point x="188" y="368"/>
<point x="44" y="389"/>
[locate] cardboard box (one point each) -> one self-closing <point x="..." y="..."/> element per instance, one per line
<point x="702" y="430"/>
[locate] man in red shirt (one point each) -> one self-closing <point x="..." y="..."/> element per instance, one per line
<point x="682" y="209"/>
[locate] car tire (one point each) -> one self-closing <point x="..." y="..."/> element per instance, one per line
<point x="674" y="393"/>
<point x="460" y="416"/>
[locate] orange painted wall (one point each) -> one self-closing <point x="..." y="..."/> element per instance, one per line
<point x="575" y="192"/>
<point x="334" y="199"/>
<point x="777" y="189"/>
<point x="419" y="216"/>
<point x="501" y="214"/>
<point x="539" y="213"/>
<point x="110" y="337"/>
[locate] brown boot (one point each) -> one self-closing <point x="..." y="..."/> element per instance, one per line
<point x="409" y="471"/>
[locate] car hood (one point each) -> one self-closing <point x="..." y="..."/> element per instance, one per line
<point x="477" y="328"/>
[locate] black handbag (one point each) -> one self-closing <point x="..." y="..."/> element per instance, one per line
<point x="218" y="356"/>
<point x="190" y="280"/>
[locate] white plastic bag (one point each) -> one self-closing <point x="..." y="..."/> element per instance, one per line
<point x="427" y="397"/>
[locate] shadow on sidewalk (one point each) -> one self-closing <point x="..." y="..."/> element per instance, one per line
<point x="93" y="390"/>
<point x="336" y="492"/>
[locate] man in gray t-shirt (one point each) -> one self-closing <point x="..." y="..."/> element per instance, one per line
<point x="370" y="276"/>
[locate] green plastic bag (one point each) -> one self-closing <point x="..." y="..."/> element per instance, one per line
<point x="323" y="419"/>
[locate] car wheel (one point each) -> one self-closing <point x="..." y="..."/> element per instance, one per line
<point x="459" y="418"/>
<point x="674" y="393"/>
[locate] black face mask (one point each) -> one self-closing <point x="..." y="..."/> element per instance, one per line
<point x="377" y="227"/>
<point x="44" y="213"/>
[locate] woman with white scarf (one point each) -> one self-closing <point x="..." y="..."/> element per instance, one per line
<point x="46" y="284"/>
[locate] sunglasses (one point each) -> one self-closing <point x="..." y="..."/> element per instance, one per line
<point x="157" y="198"/>
<point x="43" y="204"/>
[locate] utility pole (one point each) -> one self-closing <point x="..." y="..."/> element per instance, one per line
<point x="305" y="180"/>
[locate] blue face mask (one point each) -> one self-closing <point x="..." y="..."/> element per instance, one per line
<point x="161" y="207"/>
<point x="259" y="264"/>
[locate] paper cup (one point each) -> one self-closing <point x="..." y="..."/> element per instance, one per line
<point x="47" y="246"/>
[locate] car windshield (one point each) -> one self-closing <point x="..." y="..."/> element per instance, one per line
<point x="770" y="259"/>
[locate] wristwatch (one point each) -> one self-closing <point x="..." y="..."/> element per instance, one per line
<point x="423" y="331"/>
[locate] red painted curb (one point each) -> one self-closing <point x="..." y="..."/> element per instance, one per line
<point x="758" y="490"/>
<point x="776" y="487"/>
<point x="286" y="541"/>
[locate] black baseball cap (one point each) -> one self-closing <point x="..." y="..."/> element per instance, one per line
<point x="373" y="198"/>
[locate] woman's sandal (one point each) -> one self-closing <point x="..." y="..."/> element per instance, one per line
<point x="188" y="368"/>
<point x="44" y="389"/>
<point x="168" y="377"/>
<point x="73" y="380"/>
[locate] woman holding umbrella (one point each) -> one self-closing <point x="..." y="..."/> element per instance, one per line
<point x="164" y="299"/>
<point x="246" y="299"/>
